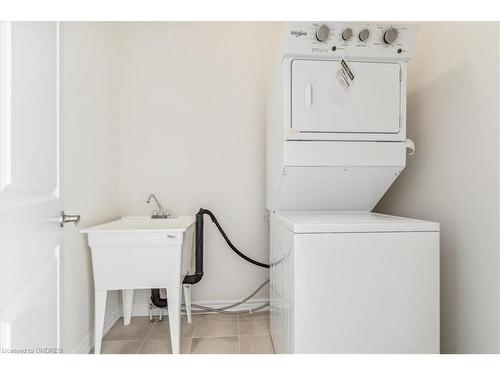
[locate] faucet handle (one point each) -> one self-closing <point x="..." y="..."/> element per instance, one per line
<point x="160" y="214"/>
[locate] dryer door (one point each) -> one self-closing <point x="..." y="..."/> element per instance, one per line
<point x="321" y="104"/>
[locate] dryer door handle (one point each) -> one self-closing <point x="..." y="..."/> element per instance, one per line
<point x="308" y="96"/>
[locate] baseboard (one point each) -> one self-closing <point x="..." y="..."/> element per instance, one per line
<point x="143" y="309"/>
<point x="109" y="321"/>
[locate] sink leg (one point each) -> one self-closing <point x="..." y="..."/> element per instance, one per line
<point x="187" y="300"/>
<point x="127" y="298"/>
<point x="100" y="309"/>
<point x="174" y="317"/>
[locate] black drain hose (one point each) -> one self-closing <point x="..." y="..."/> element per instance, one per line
<point x="214" y="220"/>
<point x="198" y="274"/>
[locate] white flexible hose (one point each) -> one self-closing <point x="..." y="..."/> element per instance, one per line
<point x="223" y="309"/>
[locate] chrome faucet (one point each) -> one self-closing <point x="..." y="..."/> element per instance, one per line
<point x="161" y="213"/>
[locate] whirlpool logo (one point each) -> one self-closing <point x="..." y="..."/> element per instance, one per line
<point x="298" y="33"/>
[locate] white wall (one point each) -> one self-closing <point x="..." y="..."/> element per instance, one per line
<point x="90" y="142"/>
<point x="192" y="130"/>
<point x="453" y="178"/>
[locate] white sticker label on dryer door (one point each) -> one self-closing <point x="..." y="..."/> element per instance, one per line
<point x="344" y="75"/>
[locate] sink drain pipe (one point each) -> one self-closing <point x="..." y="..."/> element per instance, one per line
<point x="198" y="274"/>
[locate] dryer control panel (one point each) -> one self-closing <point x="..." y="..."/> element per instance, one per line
<point x="336" y="40"/>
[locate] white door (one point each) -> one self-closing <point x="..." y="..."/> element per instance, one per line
<point x="31" y="200"/>
<point x="321" y="104"/>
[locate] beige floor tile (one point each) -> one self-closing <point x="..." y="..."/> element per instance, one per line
<point x="138" y="320"/>
<point x="259" y="315"/>
<point x="120" y="346"/>
<point x="215" y="345"/>
<point x="254" y="327"/>
<point x="163" y="346"/>
<point x="186" y="345"/>
<point x="162" y="329"/>
<point x="134" y="331"/>
<point x="256" y="345"/>
<point x="209" y="333"/>
<point x="216" y="328"/>
<point x="215" y="316"/>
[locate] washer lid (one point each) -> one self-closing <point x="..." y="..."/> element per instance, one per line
<point x="351" y="222"/>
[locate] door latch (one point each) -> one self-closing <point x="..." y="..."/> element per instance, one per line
<point x="63" y="219"/>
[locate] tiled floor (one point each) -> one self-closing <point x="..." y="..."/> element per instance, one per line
<point x="207" y="334"/>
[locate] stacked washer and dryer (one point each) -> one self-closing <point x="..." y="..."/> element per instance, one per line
<point x="345" y="279"/>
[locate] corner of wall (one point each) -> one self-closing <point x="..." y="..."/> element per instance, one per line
<point x="498" y="114"/>
<point x="89" y="169"/>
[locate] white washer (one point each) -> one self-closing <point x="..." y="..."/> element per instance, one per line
<point x="354" y="282"/>
<point x="343" y="279"/>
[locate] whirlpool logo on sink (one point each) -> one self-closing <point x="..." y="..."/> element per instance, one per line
<point x="298" y="33"/>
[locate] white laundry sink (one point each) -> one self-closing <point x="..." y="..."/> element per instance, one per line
<point x="144" y="224"/>
<point x="141" y="253"/>
<point x="135" y="251"/>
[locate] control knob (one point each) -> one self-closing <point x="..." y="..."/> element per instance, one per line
<point x="364" y="35"/>
<point x="390" y="35"/>
<point x="322" y="33"/>
<point x="347" y="34"/>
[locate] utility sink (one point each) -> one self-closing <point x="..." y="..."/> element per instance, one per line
<point x="144" y="224"/>
<point x="142" y="253"/>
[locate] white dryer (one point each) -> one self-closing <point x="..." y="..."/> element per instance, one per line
<point x="343" y="279"/>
